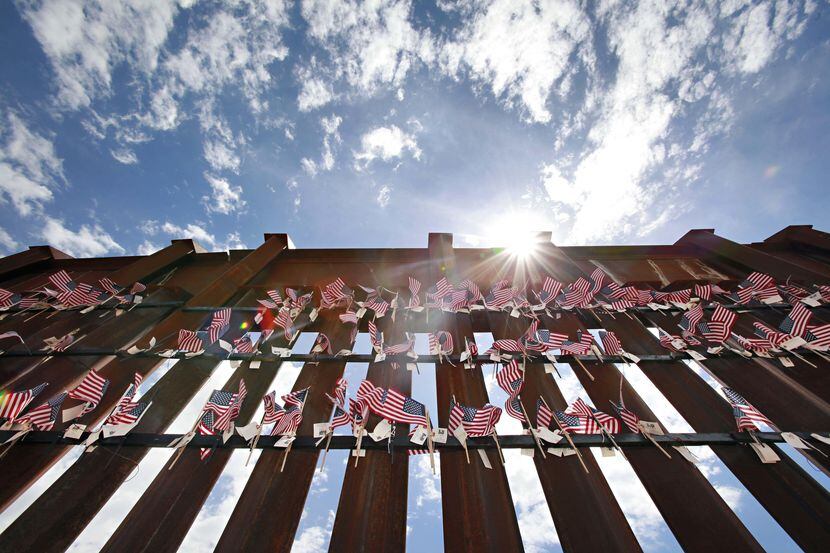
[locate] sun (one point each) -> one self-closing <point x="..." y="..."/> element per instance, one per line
<point x="517" y="232"/>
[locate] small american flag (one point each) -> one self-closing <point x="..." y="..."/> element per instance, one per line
<point x="296" y="398"/>
<point x="189" y="340"/>
<point x="703" y="291"/>
<point x="335" y="292"/>
<point x="44" y="416"/>
<point x="544" y="416"/>
<point x="742" y="296"/>
<point x="440" y="343"/>
<point x="771" y="335"/>
<point x="414" y="289"/>
<point x="550" y="289"/>
<point x="91" y="389"/>
<point x="62" y="281"/>
<point x="759" y="281"/>
<point x="322" y="344"/>
<point x="598" y="278"/>
<point x="630" y="418"/>
<point x="573" y="423"/>
<point x="818" y="337"/>
<point x="581" y="347"/>
<point x="127" y="413"/>
<point x="754" y="344"/>
<point x="289" y="422"/>
<point x="580" y="408"/>
<point x="13" y="403"/>
<point x="476" y="422"/>
<point x="349" y="317"/>
<point x="610" y="343"/>
<point x="403" y="347"/>
<point x="743" y="420"/>
<point x="243" y="344"/>
<point x="795" y="324"/>
<point x="110" y="286"/>
<point x="8" y="298"/>
<point x="375" y="337"/>
<point x="668" y="341"/>
<point x="340" y="417"/>
<point x="680" y="296"/>
<point x="60" y="344"/>
<point x="339" y="392"/>
<point x="511" y="378"/>
<point x="739" y="402"/>
<point x="274" y="301"/>
<point x="284" y="321"/>
<point x="691" y="318"/>
<point x="513" y="407"/>
<point x="578" y="294"/>
<point x="719" y="327"/>
<point x="472" y="348"/>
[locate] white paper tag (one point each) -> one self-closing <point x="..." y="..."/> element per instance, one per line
<point x="312" y="316"/>
<point x="249" y="431"/>
<point x="357" y="431"/>
<point x="412" y="367"/>
<point x="678" y="344"/>
<point x="495" y="357"/>
<point x="225" y="346"/>
<point x="417" y="309"/>
<point x="794" y="342"/>
<point x="772" y="299"/>
<point x="715" y="350"/>
<point x="382" y="430"/>
<point x="551" y="357"/>
<point x="813" y="300"/>
<point x="794" y="440"/>
<point x="321" y="429"/>
<point x="439" y="435"/>
<point x="226" y="435"/>
<point x="73" y="413"/>
<point x="550" y="369"/>
<point x="254" y="364"/>
<point x="561" y="451"/>
<point x="412" y="355"/>
<point x="380" y="357"/>
<point x="284" y="441"/>
<point x="117" y="430"/>
<point x="819" y="437"/>
<point x="74" y="431"/>
<point x="786" y="361"/>
<point x="484" y="459"/>
<point x="343" y="353"/>
<point x="460" y="434"/>
<point x="515" y="313"/>
<point x="528" y="452"/>
<point x="16" y="436"/>
<point x="631" y="357"/>
<point x="697" y="356"/>
<point x="608" y="452"/>
<point x="464" y="356"/>
<point x="651" y="427"/>
<point x="362" y="453"/>
<point x="360" y="312"/>
<point x="549" y="436"/>
<point x="420" y="436"/>
<point x="765" y="453"/>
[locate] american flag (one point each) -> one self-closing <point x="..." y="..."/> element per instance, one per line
<point x="754" y="344"/>
<point x="110" y="286"/>
<point x="335" y="292"/>
<point x="62" y="281"/>
<point x="375" y="337"/>
<point x="284" y="321"/>
<point x="476" y="422"/>
<point x="60" y="344"/>
<point x="393" y="405"/>
<point x="127" y="413"/>
<point x="243" y="344"/>
<point x="680" y="296"/>
<point x="598" y="278"/>
<point x="580" y="408"/>
<point x="286" y="420"/>
<point x="578" y="294"/>
<point x="349" y="317"/>
<point x="773" y="336"/>
<point x="644" y="297"/>
<point x="189" y="341"/>
<point x="440" y="343"/>
<point x="403" y="347"/>
<point x="742" y="419"/>
<point x="703" y="291"/>
<point x="610" y="343"/>
<point x="218" y="324"/>
<point x="581" y="347"/>
<point x="511" y="378"/>
<point x="824" y="290"/>
<point x="274" y="301"/>
<point x="630" y="418"/>
<point x="668" y="340"/>
<point x="759" y="281"/>
<point x="414" y="289"/>
<point x="80" y="294"/>
<point x="340" y="417"/>
<point x="691" y="318"/>
<point x="358" y="410"/>
<point x="513" y="407"/>
<point x="473" y="291"/>
<point x="296" y="398"/>
<point x="322" y="344"/>
<point x="339" y="392"/>
<point x="550" y="289"/>
<point x="471" y="346"/>
<point x="742" y="296"/>
<point x="227" y="416"/>
<point x="8" y="298"/>
<point x="738" y="401"/>
<point x="44" y="416"/>
<point x="499" y="296"/>
<point x="437" y="293"/>
<point x="507" y="344"/>
<point x="91" y="389"/>
<point x="719" y="327"/>
<point x="377" y="304"/>
<point x="818" y="336"/>
<point x="796" y="321"/>
<point x="544" y="416"/>
<point x="13" y="403"/>
<point x="613" y="291"/>
<point x="575" y="424"/>
<point x="622" y="305"/>
<point x="206" y="427"/>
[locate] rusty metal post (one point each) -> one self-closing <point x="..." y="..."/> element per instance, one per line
<point x="371" y="514"/>
<point x="477" y="508"/>
<point x="253" y="525"/>
<point x="795" y="500"/>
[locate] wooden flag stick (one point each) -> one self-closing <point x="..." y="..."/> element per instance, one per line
<point x="464" y="444"/>
<point x="657" y="445"/>
<point x="359" y="441"/>
<point x="430" y="445"/>
<point x="255" y="440"/>
<point x="802" y="358"/>
<point x="605" y="431"/>
<point x="326" y="451"/>
<point x="181" y="448"/>
<point x="567" y="437"/>
<point x="532" y="431"/>
<point x="583" y="368"/>
<point x="498" y="446"/>
<point x="288" y="449"/>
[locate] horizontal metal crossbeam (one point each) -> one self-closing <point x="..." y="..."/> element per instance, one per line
<point x="137" y="439"/>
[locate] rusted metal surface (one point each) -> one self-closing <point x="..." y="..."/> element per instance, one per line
<point x="478" y="513"/>
<point x="594" y="522"/>
<point x="272" y="489"/>
<point x="662" y="477"/>
<point x="371" y="515"/>
<point x="794" y="499"/>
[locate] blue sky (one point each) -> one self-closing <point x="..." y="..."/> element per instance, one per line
<point x="126" y="124"/>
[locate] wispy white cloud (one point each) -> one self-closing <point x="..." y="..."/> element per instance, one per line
<point x="386" y="144"/>
<point x="225" y="198"/>
<point x="196" y="231"/>
<point x="125" y="156"/>
<point x="384" y="195"/>
<point x="87" y="241"/>
<point x="7" y="243"/>
<point x="29" y="167"/>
